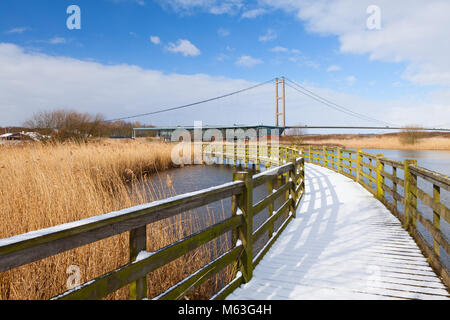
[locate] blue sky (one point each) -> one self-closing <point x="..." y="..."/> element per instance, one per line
<point x="224" y="45"/>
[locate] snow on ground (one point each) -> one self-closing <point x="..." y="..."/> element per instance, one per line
<point x="344" y="244"/>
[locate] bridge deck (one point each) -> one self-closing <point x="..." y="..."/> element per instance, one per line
<point x="344" y="244"/>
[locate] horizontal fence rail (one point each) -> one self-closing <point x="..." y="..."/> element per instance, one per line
<point x="371" y="171"/>
<point x="287" y="173"/>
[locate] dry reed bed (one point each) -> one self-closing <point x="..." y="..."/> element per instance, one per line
<point x="380" y="142"/>
<point x="47" y="185"/>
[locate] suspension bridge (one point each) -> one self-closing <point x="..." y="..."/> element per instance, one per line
<point x="340" y="224"/>
<point x="280" y="85"/>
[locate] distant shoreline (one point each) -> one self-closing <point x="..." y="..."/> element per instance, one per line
<point x="392" y="141"/>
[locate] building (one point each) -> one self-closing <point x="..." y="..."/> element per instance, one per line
<point x="17" y="136"/>
<point x="22" y="136"/>
<point x="210" y="133"/>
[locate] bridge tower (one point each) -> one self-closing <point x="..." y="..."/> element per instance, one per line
<point x="277" y="100"/>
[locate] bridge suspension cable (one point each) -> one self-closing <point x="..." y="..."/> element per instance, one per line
<point x="331" y="104"/>
<point x="192" y="104"/>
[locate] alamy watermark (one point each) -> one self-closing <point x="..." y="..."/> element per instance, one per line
<point x="374" y="278"/>
<point x="74" y="20"/>
<point x="374" y="19"/>
<point x="201" y="146"/>
<point x="74" y="277"/>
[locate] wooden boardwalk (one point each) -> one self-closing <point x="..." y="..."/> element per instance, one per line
<point x="344" y="244"/>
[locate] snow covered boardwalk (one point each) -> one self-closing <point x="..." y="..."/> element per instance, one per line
<point x="344" y="244"/>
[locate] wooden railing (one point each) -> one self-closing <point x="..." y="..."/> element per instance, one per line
<point x="372" y="172"/>
<point x="287" y="175"/>
<point x="27" y="248"/>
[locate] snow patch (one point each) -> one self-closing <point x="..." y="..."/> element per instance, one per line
<point x="143" y="255"/>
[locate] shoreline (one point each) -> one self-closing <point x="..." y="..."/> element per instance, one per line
<point x="427" y="142"/>
<point x="378" y="148"/>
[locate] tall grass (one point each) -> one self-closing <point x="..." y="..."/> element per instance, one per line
<point x="380" y="142"/>
<point x="46" y="185"/>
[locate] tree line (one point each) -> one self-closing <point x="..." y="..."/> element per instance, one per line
<point x="70" y="124"/>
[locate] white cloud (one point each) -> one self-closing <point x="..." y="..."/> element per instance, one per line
<point x="57" y="40"/>
<point x="415" y="32"/>
<point x="294" y="56"/>
<point x="270" y="35"/>
<point x="223" y="32"/>
<point x="222" y="57"/>
<point x="17" y="30"/>
<point x="248" y="61"/>
<point x="279" y="49"/>
<point x="251" y="14"/>
<point x="155" y="40"/>
<point x="333" y="68"/>
<point x="53" y="41"/>
<point x="184" y="47"/>
<point x="312" y="64"/>
<point x="138" y="2"/>
<point x="217" y="7"/>
<point x="31" y="82"/>
<point x="350" y="80"/>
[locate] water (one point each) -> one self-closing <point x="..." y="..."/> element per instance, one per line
<point x="438" y="161"/>
<point x="193" y="178"/>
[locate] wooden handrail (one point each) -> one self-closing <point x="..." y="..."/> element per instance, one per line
<point x="412" y="192"/>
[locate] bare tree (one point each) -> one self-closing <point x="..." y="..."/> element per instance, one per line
<point x="295" y="136"/>
<point x="67" y="124"/>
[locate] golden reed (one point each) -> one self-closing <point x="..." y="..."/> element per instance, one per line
<point x="43" y="185"/>
<point x="379" y="142"/>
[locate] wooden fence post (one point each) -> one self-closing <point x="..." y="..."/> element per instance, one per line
<point x="340" y="168"/>
<point x="235" y="154"/>
<point x="358" y="165"/>
<point x="380" y="178"/>
<point x="246" y="155"/>
<point x="257" y="157"/>
<point x="224" y="150"/>
<point x="394" y="188"/>
<point x="436" y="218"/>
<point x="270" y="188"/>
<point x="138" y="243"/>
<point x="310" y="154"/>
<point x="234" y="209"/>
<point x="245" y="205"/>
<point x="302" y="171"/>
<point x="293" y="177"/>
<point x="410" y="200"/>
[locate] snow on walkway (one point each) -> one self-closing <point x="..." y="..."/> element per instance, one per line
<point x="344" y="244"/>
